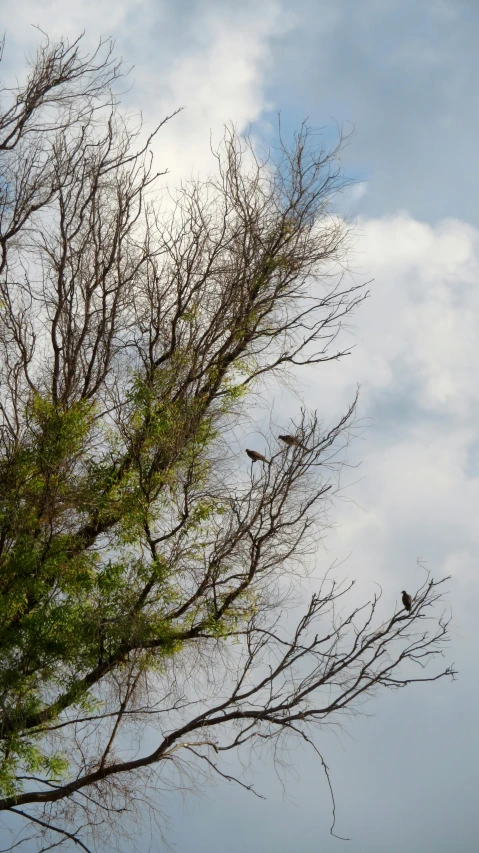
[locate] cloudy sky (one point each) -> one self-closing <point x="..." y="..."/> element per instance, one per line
<point x="404" y="74"/>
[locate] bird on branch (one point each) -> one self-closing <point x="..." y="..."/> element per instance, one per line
<point x="406" y="600"/>
<point x="256" y="457"/>
<point x="292" y="441"/>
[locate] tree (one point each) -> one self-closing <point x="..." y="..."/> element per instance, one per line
<point x="145" y="564"/>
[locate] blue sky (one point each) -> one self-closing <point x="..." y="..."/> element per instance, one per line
<point x="404" y="74"/>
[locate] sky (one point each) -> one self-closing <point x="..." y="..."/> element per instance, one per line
<point x="403" y="74"/>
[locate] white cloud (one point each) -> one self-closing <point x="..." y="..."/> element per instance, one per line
<point x="424" y="316"/>
<point x="220" y="79"/>
<point x="211" y="58"/>
<point x="416" y="361"/>
<point x="421" y="322"/>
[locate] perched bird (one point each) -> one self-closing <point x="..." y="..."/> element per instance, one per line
<point x="406" y="600"/>
<point x="256" y="457"/>
<point x="292" y="441"/>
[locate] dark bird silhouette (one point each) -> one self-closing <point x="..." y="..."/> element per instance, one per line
<point x="292" y="441"/>
<point x="406" y="600"/>
<point x="256" y="457"/>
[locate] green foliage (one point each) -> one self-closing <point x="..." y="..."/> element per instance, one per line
<point x="66" y="609"/>
<point x="22" y="754"/>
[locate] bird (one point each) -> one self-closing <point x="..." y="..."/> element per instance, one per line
<point x="406" y="600"/>
<point x="292" y="441"/>
<point x="256" y="457"/>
